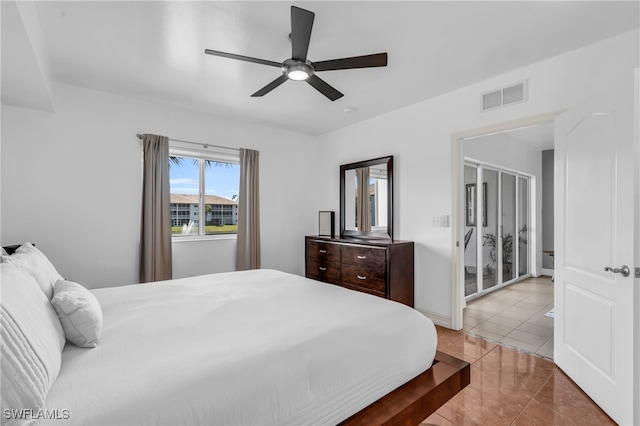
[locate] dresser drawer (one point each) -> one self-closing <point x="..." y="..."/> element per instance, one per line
<point x="364" y="290"/>
<point x="322" y="251"/>
<point x="323" y="271"/>
<point x="372" y="279"/>
<point x="364" y="256"/>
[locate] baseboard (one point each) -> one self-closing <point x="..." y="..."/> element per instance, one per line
<point x="438" y="319"/>
<point x="548" y="272"/>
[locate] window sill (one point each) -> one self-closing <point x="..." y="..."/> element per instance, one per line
<point x="204" y="238"/>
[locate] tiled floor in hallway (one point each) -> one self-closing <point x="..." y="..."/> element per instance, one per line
<point x="515" y="316"/>
<point x="510" y="387"/>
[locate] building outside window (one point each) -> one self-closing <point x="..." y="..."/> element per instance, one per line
<point x="203" y="185"/>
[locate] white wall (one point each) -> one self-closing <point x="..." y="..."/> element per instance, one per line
<point x="420" y="138"/>
<point x="71" y="183"/>
<point x="65" y="172"/>
<point x="506" y="151"/>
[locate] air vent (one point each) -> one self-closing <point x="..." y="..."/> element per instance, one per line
<point x="506" y="96"/>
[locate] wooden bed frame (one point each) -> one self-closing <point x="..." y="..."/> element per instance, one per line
<point x="413" y="402"/>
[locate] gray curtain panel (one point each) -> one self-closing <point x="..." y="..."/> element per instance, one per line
<point x="248" y="250"/>
<point x="155" y="241"/>
<point x="363" y="214"/>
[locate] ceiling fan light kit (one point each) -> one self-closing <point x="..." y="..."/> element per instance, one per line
<point x="298" y="67"/>
<point x="297" y="70"/>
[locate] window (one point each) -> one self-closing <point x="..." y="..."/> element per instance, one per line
<point x="203" y="186"/>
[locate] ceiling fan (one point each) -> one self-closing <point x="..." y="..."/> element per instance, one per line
<point x="298" y="67"/>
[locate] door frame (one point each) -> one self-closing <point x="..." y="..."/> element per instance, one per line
<point x="636" y="135"/>
<point x="457" y="200"/>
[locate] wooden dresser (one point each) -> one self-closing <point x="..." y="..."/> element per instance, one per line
<point x="379" y="267"/>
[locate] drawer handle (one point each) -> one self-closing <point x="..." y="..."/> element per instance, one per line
<point x="323" y="251"/>
<point x="362" y="257"/>
<point x="360" y="277"/>
<point x="321" y="268"/>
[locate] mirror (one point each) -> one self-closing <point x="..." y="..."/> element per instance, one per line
<point x="372" y="218"/>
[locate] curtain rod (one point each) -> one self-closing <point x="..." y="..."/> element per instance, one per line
<point x="205" y="145"/>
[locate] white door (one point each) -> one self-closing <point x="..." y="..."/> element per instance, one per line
<point x="594" y="229"/>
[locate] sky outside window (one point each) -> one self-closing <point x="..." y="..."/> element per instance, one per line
<point x="221" y="179"/>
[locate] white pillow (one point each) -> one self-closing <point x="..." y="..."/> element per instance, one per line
<point x="3" y="252"/>
<point x="32" y="341"/>
<point x="30" y="259"/>
<point x="79" y="312"/>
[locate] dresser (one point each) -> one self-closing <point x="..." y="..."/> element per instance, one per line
<point x="379" y="267"/>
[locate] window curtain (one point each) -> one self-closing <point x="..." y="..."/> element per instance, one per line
<point x="248" y="248"/>
<point x="363" y="212"/>
<point x="155" y="241"/>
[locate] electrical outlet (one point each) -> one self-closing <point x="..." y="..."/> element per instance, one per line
<point x="435" y="221"/>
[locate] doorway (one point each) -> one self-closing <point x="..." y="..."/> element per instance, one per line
<point x="458" y="301"/>
<point x="507" y="293"/>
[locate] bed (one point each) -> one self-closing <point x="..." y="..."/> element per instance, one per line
<point x="253" y="347"/>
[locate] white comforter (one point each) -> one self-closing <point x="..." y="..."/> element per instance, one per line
<point x="254" y="348"/>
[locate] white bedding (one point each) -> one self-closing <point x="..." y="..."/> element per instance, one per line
<point x="255" y="347"/>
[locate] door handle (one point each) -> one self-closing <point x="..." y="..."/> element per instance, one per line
<point x="624" y="270"/>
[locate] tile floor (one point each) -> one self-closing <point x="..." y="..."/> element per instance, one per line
<point x="510" y="387"/>
<point x="515" y="316"/>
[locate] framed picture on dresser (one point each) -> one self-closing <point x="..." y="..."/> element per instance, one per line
<point x="327" y="223"/>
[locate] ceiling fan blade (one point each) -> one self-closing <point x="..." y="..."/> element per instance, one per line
<point x="366" y="61"/>
<point x="323" y="87"/>
<point x="243" y="58"/>
<point x="269" y="87"/>
<point x="301" y="25"/>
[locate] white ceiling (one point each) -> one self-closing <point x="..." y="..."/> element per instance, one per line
<point x="539" y="136"/>
<point x="155" y="51"/>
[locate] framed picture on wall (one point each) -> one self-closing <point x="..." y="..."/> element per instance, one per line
<point x="471" y="204"/>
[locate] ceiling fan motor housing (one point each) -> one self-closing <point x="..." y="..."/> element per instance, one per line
<point x="297" y="70"/>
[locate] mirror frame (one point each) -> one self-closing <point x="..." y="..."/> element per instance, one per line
<point x="348" y="233"/>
